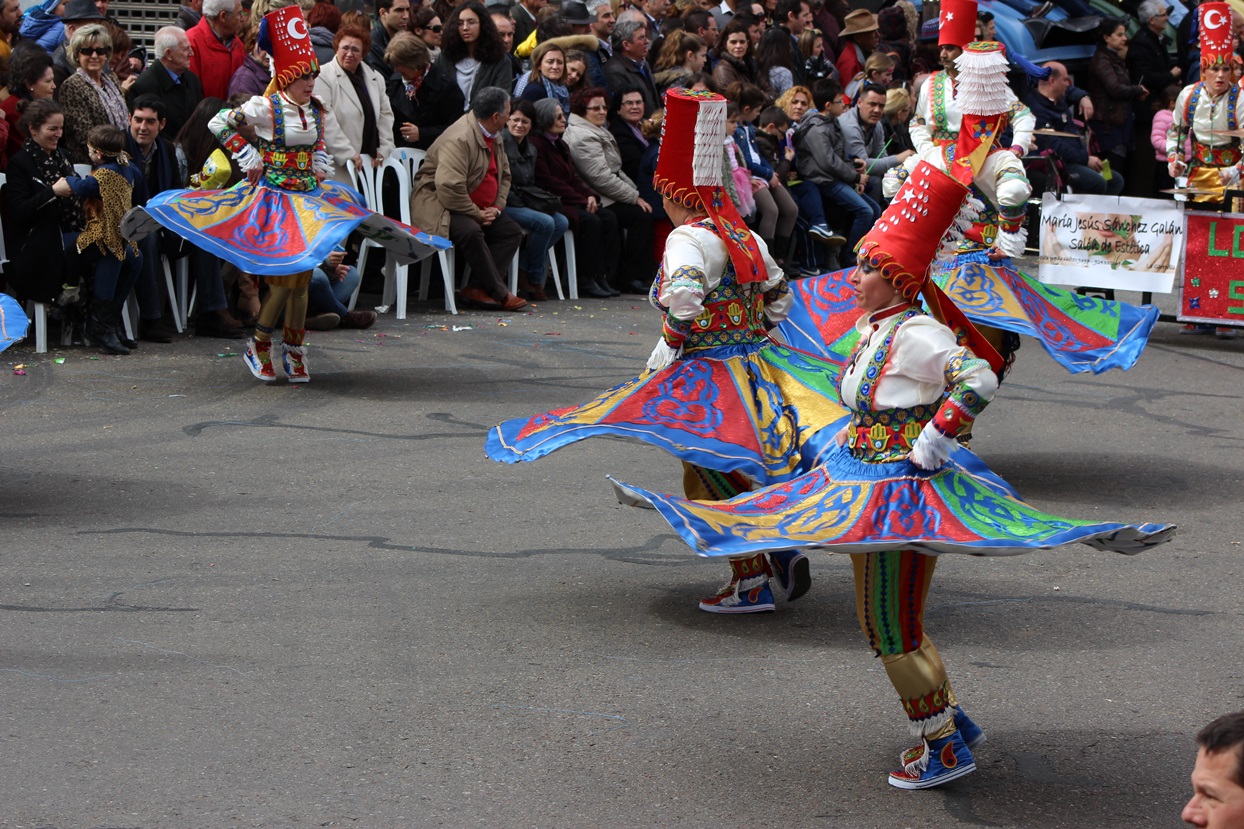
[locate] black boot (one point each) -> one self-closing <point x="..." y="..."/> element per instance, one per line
<point x="118" y="327"/>
<point x="99" y="327"/>
<point x="591" y="287"/>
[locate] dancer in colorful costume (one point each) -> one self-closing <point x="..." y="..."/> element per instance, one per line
<point x="895" y="491"/>
<point x="735" y="407"/>
<point x="1082" y="333"/>
<point x="285" y="219"/>
<point x="1209" y="111"/>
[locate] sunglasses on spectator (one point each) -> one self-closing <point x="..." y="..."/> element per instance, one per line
<point x="97" y="51"/>
<point x="437" y="29"/>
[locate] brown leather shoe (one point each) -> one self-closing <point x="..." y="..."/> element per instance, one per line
<point x="513" y="303"/>
<point x="475" y="296"/>
<point x="359" y="319"/>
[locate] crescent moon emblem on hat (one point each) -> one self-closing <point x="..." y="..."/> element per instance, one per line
<point x="1215" y="19"/>
<point x="297" y="28"/>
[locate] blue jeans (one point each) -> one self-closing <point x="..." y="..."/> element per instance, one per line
<point x="862" y="211"/>
<point x="808" y="199"/>
<point x="1084" y="179"/>
<point x="328" y="296"/>
<point x="543" y="231"/>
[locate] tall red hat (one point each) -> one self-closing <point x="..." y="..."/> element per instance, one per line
<point x="1217" y="39"/>
<point x="956" y="24"/>
<point x="283" y="34"/>
<point x="689" y="170"/>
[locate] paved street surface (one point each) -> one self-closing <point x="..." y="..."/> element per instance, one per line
<point x="226" y="604"/>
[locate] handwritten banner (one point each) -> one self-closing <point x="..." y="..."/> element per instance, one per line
<point x="1109" y="242"/>
<point x="1212" y="275"/>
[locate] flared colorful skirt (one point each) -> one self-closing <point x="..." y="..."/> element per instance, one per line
<point x="849" y="506"/>
<point x="267" y="231"/>
<point x="760" y="409"/>
<point x="13" y="321"/>
<point x="1081" y="333"/>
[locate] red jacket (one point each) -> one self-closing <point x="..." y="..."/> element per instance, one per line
<point x="212" y="63"/>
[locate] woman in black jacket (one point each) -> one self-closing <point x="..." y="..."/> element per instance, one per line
<point x="424" y="101"/>
<point x="1112" y="93"/>
<point x="544" y="227"/>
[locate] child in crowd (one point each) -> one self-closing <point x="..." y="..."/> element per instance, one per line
<point x="743" y="191"/>
<point x="776" y="210"/>
<point x="1162" y="120"/>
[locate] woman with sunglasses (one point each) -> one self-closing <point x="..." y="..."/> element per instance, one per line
<point x="426" y="25"/>
<point x="90" y="96"/>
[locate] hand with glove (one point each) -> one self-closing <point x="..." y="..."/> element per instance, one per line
<point x="931" y="448"/>
<point x="663" y="355"/>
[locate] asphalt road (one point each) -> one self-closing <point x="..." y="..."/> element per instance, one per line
<point x="233" y="605"/>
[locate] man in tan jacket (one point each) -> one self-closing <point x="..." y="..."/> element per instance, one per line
<point x="460" y="192"/>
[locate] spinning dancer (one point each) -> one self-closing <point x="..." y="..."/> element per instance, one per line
<point x="895" y="492"/>
<point x="735" y="407"/>
<point x="285" y="218"/>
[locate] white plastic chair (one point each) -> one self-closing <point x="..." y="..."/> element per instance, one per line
<point x="553" y="267"/>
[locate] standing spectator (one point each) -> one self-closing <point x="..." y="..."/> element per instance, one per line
<point x="426" y="25"/>
<point x="1148" y="57"/>
<point x="77" y="13"/>
<point x="1163" y="118"/>
<point x="392" y="16"/>
<point x="505" y="31"/>
<point x="725" y="12"/>
<point x="90" y="96"/>
<point x="524" y="15"/>
<point x="821" y="157"/>
<point x="893" y="40"/>
<point x="602" y="25"/>
<point x="359" y="121"/>
<point x="526" y="206"/>
<point x="217" y="51"/>
<point x="423" y="100"/>
<point x="793" y="18"/>
<point x="43" y="24"/>
<point x="253" y="76"/>
<point x="682" y="56"/>
<point x="10" y="25"/>
<point x="599" y="163"/>
<point x="30" y="78"/>
<point x="324" y="20"/>
<point x="774" y="68"/>
<point x="865" y="137"/>
<point x="473" y="55"/>
<point x="1113" y="94"/>
<point x="188" y="14"/>
<point x="629" y="67"/>
<point x="546" y="78"/>
<point x="734" y="55"/>
<point x="701" y="22"/>
<point x="858" y="40"/>
<point x="595" y="230"/>
<point x="461" y="189"/>
<point x="1218" y="776"/>
<point x="169" y="78"/>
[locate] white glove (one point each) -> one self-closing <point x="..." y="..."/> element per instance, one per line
<point x="1176" y="168"/>
<point x="248" y="158"/>
<point x="1012" y="244"/>
<point x="663" y="355"/>
<point x="932" y="448"/>
<point x="1229" y="175"/>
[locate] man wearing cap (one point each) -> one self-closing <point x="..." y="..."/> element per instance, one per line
<point x="858" y="39"/>
<point x="218" y="51"/>
<point x="577" y="17"/>
<point x="169" y="78"/>
<point x="524" y="15"/>
<point x="935" y="122"/>
<point x="627" y="67"/>
<point x="1207" y="111"/>
<point x="77" y="14"/>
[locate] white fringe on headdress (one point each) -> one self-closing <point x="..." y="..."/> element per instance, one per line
<point x="710" y="132"/>
<point x="981" y="87"/>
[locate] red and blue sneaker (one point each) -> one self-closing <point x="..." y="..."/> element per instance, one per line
<point x="933" y="763"/>
<point x="748" y="588"/>
<point x="973" y="737"/>
<point x="792" y="571"/>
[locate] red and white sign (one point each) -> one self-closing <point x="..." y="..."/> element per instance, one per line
<point x="1212" y="272"/>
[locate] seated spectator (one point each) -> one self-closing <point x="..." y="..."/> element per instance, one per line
<point x="599" y="163"/>
<point x="524" y="14"/>
<point x="505" y="31"/>
<point x="169" y="78"/>
<point x="216" y="50"/>
<point x="424" y="101"/>
<point x="426" y="25"/>
<point x="473" y="55"/>
<point x="683" y="55"/>
<point x="359" y="121"/>
<point x="324" y="19"/>
<point x="626" y="124"/>
<point x="328" y="297"/>
<point x="120" y="62"/>
<point x="878" y="69"/>
<point x="43" y="25"/>
<point x="1051" y="103"/>
<point x="90" y="96"/>
<point x="733" y="61"/>
<point x="200" y="145"/>
<point x="596" y="231"/>
<point x="30" y="79"/>
<point x="37" y="220"/>
<point x="460" y="193"/>
<point x="774" y="69"/>
<point x="576" y="70"/>
<point x="776" y="210"/>
<point x="821" y="157"/>
<point x="858" y="40"/>
<point x="77" y="13"/>
<point x="894" y="123"/>
<point x="865" y="137"/>
<point x="546" y="78"/>
<point x="536" y="210"/>
<point x="253" y="76"/>
<point x="795" y="103"/>
<point x="628" y="68"/>
<point x="815" y="64"/>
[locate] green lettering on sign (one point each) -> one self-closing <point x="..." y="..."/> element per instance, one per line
<point x="1213" y="230"/>
<point x="1236" y="291"/>
<point x="1236" y="251"/>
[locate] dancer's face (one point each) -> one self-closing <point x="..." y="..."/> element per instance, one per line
<point x="299" y="91"/>
<point x="873" y="291"/>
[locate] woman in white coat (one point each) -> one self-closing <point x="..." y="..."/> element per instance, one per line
<point x="360" y="120"/>
<point x="599" y="162"/>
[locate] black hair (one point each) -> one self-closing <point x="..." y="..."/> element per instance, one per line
<point x="1226" y="734"/>
<point x="874" y="87"/>
<point x="35" y="113"/>
<point x="773" y="115"/>
<point x="824" y="91"/>
<point x="149" y="101"/>
<point x="488" y="46"/>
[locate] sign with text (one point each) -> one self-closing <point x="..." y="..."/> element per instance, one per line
<point x="1212" y="275"/>
<point x="1109" y="242"/>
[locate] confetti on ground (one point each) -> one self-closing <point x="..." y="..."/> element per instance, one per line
<point x="21" y="372"/>
<point x="227" y="354"/>
<point x="176" y="395"/>
<point x="60" y="361"/>
<point x="552" y="333"/>
<point x="458" y="328"/>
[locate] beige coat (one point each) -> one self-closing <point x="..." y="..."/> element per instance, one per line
<point x="455" y="165"/>
<point x="599" y="161"/>
<point x="343" y="125"/>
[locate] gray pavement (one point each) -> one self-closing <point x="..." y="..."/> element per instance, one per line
<point x="232" y="605"/>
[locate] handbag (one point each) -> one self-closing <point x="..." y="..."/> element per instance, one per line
<point x="536" y="198"/>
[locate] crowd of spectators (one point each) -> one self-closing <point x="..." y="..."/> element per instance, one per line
<point x="562" y="104"/>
